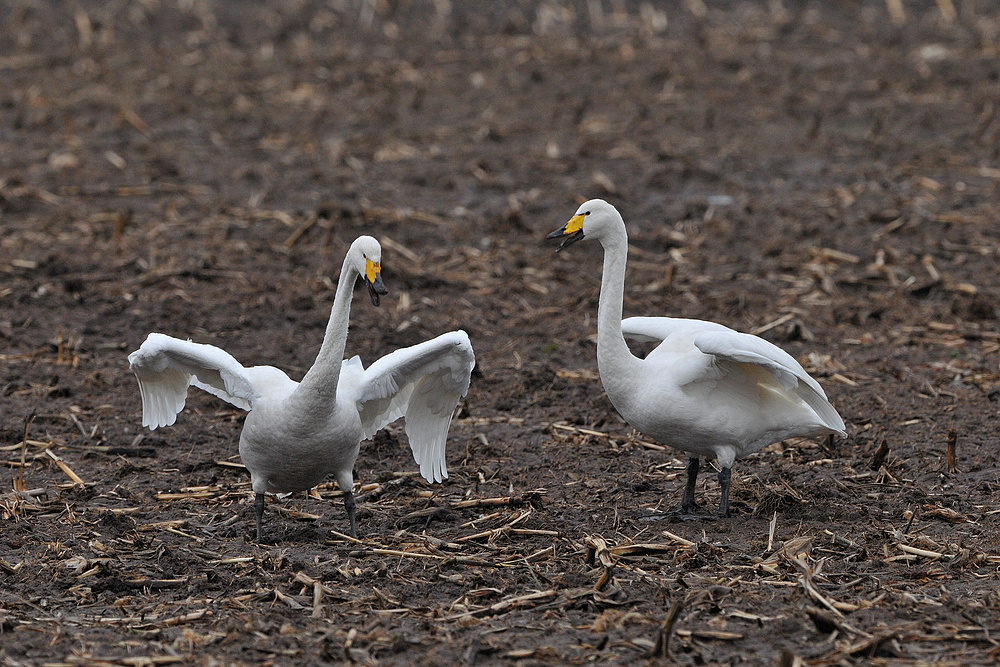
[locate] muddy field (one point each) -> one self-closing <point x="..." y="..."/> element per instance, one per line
<point x="825" y="174"/>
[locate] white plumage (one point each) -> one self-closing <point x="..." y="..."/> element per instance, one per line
<point x="298" y="433"/>
<point x="705" y="389"/>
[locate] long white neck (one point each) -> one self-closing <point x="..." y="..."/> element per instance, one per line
<point x="615" y="361"/>
<point x="321" y="380"/>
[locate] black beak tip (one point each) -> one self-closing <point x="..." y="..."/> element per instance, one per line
<point x="556" y="234"/>
<point x="567" y="240"/>
<point x="375" y="289"/>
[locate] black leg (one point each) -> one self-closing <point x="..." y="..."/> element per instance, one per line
<point x="258" y="507"/>
<point x="349" y="505"/>
<point x="725" y="478"/>
<point x="687" y="501"/>
<point x="688" y="504"/>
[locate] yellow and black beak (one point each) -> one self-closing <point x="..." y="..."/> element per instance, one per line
<point x="571" y="232"/>
<point x="373" y="278"/>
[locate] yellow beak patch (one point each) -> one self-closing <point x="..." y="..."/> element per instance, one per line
<point x="574" y="225"/>
<point x="372" y="270"/>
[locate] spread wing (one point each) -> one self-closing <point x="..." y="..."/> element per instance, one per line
<point x="748" y="349"/>
<point x="166" y="366"/>
<point x="422" y="383"/>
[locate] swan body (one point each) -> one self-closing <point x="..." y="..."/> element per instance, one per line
<point x="705" y="389"/>
<point x="297" y="433"/>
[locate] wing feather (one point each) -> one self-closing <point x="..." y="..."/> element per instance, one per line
<point x="422" y="383"/>
<point x="721" y="341"/>
<point x="656" y="329"/>
<point x="749" y="349"/>
<point x="166" y="366"/>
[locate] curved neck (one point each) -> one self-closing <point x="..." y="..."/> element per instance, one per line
<point x="614" y="359"/>
<point x="322" y="378"/>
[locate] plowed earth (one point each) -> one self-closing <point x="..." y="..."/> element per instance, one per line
<point x="825" y="174"/>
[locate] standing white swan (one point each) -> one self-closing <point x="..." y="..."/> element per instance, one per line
<point x="298" y="433"/>
<point x="705" y="389"/>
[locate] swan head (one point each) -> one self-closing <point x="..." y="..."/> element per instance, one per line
<point x="365" y="257"/>
<point x="593" y="219"/>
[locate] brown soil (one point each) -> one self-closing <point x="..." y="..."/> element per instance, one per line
<point x="813" y="171"/>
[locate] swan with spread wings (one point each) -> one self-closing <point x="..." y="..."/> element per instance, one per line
<point x="297" y="433"/>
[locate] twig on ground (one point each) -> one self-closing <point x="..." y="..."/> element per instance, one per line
<point x="662" y="647"/>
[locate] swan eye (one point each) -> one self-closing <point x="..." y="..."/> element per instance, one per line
<point x="587" y="213"/>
